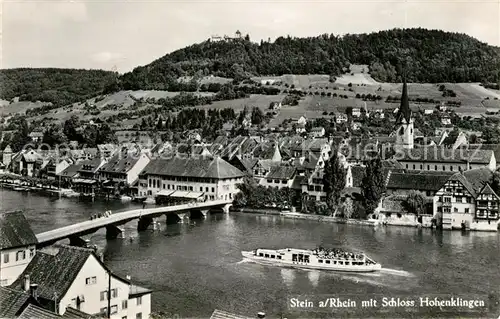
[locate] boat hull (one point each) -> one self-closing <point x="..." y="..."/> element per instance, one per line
<point x="285" y="263"/>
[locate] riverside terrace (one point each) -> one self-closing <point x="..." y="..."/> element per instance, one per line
<point x="113" y="222"/>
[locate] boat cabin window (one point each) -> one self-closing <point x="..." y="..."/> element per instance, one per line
<point x="266" y="255"/>
<point x="273" y="256"/>
<point x="294" y="257"/>
<point x="320" y="261"/>
<point x="261" y="254"/>
<point x="301" y="258"/>
<point x="341" y="262"/>
<point x="327" y="261"/>
<point x="306" y="258"/>
<point x="279" y="257"/>
<point x="334" y="262"/>
<point x="347" y="263"/>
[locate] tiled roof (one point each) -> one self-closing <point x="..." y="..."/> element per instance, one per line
<point x="120" y="163"/>
<point x="72" y="313"/>
<point x="15" y="231"/>
<point x="136" y="291"/>
<point x="447" y="155"/>
<point x="281" y="172"/>
<point x="461" y="178"/>
<point x="487" y="190"/>
<point x="93" y="164"/>
<point x="35" y="312"/>
<point x="11" y="302"/>
<point x="478" y="177"/>
<point x="311" y="145"/>
<point x="54" y="270"/>
<point x="417" y="180"/>
<point x="202" y="167"/>
<point x="71" y="170"/>
<point x="220" y="314"/>
<point x="493" y="147"/>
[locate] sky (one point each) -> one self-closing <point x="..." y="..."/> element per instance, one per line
<point x="122" y="34"/>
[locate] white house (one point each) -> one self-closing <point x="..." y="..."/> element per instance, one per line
<point x="17" y="246"/>
<point x="340" y="118"/>
<point x="76" y="277"/>
<point x="280" y="177"/>
<point x="124" y="167"/>
<point x="203" y="176"/>
<point x="318" y="131"/>
<point x="356" y="112"/>
<point x="301" y="125"/>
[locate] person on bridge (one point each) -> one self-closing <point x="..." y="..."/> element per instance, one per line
<point x="143" y="205"/>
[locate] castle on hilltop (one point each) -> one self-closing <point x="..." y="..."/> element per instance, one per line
<point x="237" y="36"/>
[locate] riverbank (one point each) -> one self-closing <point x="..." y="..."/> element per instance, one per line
<point x="303" y="216"/>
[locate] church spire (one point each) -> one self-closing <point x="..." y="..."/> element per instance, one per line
<point x="404" y="112"/>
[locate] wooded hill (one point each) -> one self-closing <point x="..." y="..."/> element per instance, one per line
<point x="431" y="56"/>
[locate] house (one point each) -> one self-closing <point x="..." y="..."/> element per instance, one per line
<point x="280" y="177"/>
<point x="122" y="171"/>
<point x="379" y="114"/>
<point x="428" y="112"/>
<point x="26" y="163"/>
<point x="301" y="125"/>
<point x="71" y="173"/>
<point x="76" y="277"/>
<point x="318" y="132"/>
<point x="341" y="118"/>
<point x="434" y="158"/>
<point x="33" y="311"/>
<point x="14" y="302"/>
<point x="209" y="177"/>
<point x="487" y="209"/>
<point x="445" y="119"/>
<point x="426" y="182"/>
<point x="88" y="176"/>
<point x="106" y="151"/>
<point x="356" y="112"/>
<point x="17" y="246"/>
<point x="275" y="106"/>
<point x="36" y="136"/>
<point x="53" y="167"/>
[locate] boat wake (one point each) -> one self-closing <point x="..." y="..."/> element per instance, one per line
<point x="396" y="272"/>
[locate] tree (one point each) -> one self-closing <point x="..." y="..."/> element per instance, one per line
<point x="373" y="186"/>
<point x="257" y="116"/>
<point x="415" y="203"/>
<point x="21" y="137"/>
<point x="70" y="128"/>
<point x="334" y="176"/>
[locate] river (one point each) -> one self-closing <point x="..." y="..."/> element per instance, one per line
<point x="196" y="269"/>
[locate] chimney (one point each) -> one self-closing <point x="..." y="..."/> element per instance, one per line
<point x="33" y="291"/>
<point x="128" y="277"/>
<point x="261" y="315"/>
<point x="26" y="285"/>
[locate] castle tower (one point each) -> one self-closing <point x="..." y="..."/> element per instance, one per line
<point x="404" y="122"/>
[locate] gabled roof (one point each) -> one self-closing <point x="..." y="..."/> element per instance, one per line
<point x="447" y="155"/>
<point x="71" y="170"/>
<point x="418" y="180"/>
<point x="15" y="231"/>
<point x="487" y="190"/>
<point x="54" y="270"/>
<point x="72" y="313"/>
<point x="120" y="163"/>
<point x="35" y="312"/>
<point x="282" y="172"/>
<point x="12" y="302"/>
<point x="478" y="177"/>
<point x="201" y="167"/>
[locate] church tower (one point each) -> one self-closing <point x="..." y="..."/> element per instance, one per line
<point x="404" y="122"/>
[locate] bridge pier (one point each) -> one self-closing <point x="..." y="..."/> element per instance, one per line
<point x="113" y="232"/>
<point x="77" y="241"/>
<point x="146" y="223"/>
<point x="226" y="208"/>
<point x="198" y="213"/>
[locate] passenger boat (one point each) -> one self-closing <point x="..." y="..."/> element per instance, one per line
<point x="319" y="258"/>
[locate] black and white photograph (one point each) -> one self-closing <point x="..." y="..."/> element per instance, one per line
<point x="230" y="159"/>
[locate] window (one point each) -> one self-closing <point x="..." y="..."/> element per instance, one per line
<point x="6" y="258"/>
<point x="466" y="211"/>
<point x="114" y="293"/>
<point x="114" y="309"/>
<point x="451" y="168"/>
<point x="104" y="310"/>
<point x="435" y="167"/>
<point x="428" y="167"/>
<point x="104" y="295"/>
<point x="201" y="189"/>
<point x="90" y="280"/>
<point x="19" y="255"/>
<point x="124" y="304"/>
<point x="213" y="189"/>
<point x="124" y="317"/>
<point x="138" y="316"/>
<point x="139" y="301"/>
<point x="469" y="200"/>
<point x="327" y="261"/>
<point x="320" y="261"/>
<point x="413" y="166"/>
<point x="32" y="252"/>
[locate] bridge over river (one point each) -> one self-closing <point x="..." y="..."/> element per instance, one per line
<point x="112" y="223"/>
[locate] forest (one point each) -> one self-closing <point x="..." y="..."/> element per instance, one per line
<point x="57" y="86"/>
<point x="427" y="56"/>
